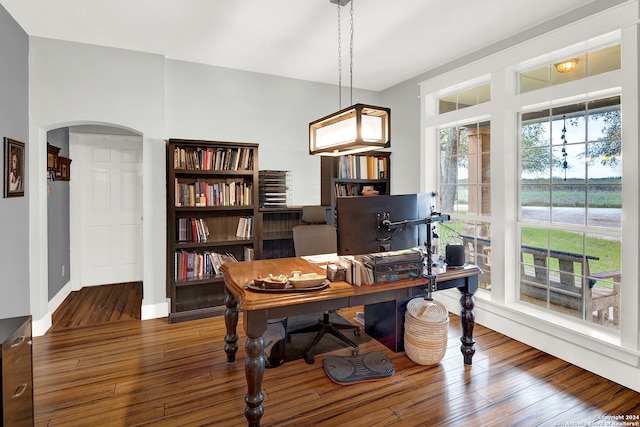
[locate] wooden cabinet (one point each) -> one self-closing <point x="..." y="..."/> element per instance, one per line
<point x="275" y="231"/>
<point x="354" y="175"/>
<point x="16" y="374"/>
<point x="58" y="167"/>
<point x="212" y="199"/>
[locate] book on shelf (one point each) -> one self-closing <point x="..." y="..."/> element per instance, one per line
<point x="194" y="230"/>
<point x="209" y="159"/>
<point x="248" y="253"/>
<point x="354" y="166"/>
<point x="199" y="265"/>
<point x="226" y="192"/>
<point x="245" y="227"/>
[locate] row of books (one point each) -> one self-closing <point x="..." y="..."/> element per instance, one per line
<point x="230" y="192"/>
<point x="199" y="265"/>
<point x="192" y="230"/>
<point x="355" y="166"/>
<point x="198" y="158"/>
<point x="245" y="227"/>
<point x="343" y="189"/>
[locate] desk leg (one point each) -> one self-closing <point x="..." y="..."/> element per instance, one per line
<point x="255" y="325"/>
<point x="231" y="321"/>
<point x="467" y="318"/>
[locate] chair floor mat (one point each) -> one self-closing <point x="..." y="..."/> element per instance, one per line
<point x="354" y="369"/>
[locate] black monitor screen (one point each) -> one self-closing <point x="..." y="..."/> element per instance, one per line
<point x="357" y="221"/>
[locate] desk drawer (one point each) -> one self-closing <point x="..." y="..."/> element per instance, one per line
<point x="16" y="375"/>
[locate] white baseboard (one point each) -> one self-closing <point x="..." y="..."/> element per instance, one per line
<point x="554" y="336"/>
<point x="40" y="327"/>
<point x="154" y="311"/>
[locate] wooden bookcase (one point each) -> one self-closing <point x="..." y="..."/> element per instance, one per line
<point x="275" y="230"/>
<point x="349" y="175"/>
<point x="211" y="187"/>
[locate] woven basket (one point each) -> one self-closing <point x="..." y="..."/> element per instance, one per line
<point x="426" y="329"/>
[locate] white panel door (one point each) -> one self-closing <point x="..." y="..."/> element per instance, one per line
<point x="111" y="204"/>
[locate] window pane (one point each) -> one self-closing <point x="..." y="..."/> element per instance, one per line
<point x="603" y="60"/>
<point x="604" y="204"/>
<point x="566" y="272"/>
<point x="462" y="202"/>
<point x="485" y="191"/>
<point x="535" y="79"/>
<point x="467" y="98"/>
<point x="534" y="274"/>
<point x="447" y="103"/>
<point x="535" y="164"/>
<point x="536" y="202"/>
<point x="576" y="168"/>
<point x="484" y="93"/>
<point x="578" y="72"/>
<point x="604" y="278"/>
<point x="474" y="199"/>
<point x="568" y="203"/>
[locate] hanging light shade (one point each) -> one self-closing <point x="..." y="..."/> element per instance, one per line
<point x="352" y="130"/>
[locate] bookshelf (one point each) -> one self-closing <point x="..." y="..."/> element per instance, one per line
<point x="212" y="199"/>
<point x="349" y="175"/>
<point x="275" y="230"/>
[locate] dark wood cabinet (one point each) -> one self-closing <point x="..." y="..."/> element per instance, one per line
<point x="275" y="231"/>
<point x="212" y="200"/>
<point x="17" y="373"/>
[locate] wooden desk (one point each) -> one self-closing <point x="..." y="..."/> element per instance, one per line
<point x="260" y="306"/>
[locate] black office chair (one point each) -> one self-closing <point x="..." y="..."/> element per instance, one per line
<point x="315" y="237"/>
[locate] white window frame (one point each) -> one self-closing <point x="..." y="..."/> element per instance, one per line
<point x="502" y="68"/>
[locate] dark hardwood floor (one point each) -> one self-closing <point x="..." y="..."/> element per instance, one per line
<point x="93" y="305"/>
<point x="153" y="373"/>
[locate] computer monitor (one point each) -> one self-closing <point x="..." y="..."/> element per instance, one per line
<point x="358" y="218"/>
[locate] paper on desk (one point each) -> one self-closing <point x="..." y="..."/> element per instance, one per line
<point x="322" y="258"/>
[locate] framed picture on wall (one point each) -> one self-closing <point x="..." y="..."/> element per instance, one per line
<point x="13" y="168"/>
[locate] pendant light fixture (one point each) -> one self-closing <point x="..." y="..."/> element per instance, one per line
<point x="354" y="129"/>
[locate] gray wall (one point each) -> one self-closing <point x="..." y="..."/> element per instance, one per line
<point x="14" y="212"/>
<point x="58" y="220"/>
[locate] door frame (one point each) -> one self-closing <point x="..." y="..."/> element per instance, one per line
<point x="76" y="241"/>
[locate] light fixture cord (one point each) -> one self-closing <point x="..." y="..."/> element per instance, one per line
<point x="340" y="58"/>
<point x="339" y="61"/>
<point x="351" y="58"/>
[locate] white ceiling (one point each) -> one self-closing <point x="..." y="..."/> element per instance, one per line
<point x="394" y="39"/>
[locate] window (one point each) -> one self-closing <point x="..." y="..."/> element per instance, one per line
<point x="464" y="98"/>
<point x="572" y="68"/>
<point x="571" y="209"/>
<point x="465" y="191"/>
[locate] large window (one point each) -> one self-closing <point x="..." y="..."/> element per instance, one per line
<point x="571" y="209"/>
<point x="465" y="191"/>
